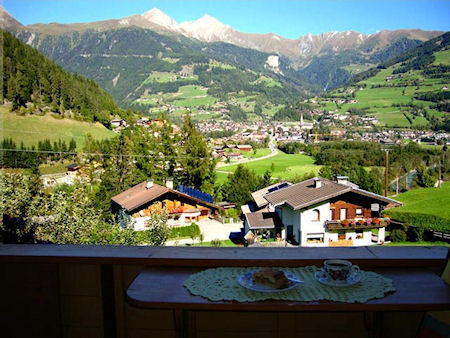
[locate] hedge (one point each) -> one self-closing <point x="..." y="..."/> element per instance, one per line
<point x="422" y="220"/>
<point x="398" y="235"/>
<point x="191" y="231"/>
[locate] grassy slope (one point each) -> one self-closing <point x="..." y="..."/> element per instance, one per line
<point x="286" y="166"/>
<point x="380" y="100"/>
<point x="432" y="201"/>
<point x="31" y="129"/>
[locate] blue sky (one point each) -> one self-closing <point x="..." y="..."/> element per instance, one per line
<point x="289" y="18"/>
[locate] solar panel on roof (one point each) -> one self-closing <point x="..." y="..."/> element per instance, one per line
<point x="195" y="193"/>
<point x="278" y="187"/>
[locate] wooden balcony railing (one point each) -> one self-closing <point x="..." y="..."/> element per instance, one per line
<point x="358" y="223"/>
<point x="82" y="291"/>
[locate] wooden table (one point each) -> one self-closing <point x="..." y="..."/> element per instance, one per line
<point x="417" y="289"/>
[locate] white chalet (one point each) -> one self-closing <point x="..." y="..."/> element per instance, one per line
<point x="320" y="212"/>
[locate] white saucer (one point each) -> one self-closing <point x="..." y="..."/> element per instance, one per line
<point x="323" y="278"/>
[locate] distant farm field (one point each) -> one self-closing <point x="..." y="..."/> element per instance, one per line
<point x="32" y="129"/>
<point x="387" y="96"/>
<point x="285" y="166"/>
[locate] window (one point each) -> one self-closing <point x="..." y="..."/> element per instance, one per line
<point x="314" y="238"/>
<point x="316" y="215"/>
<point x="343" y="214"/>
<point x="359" y="212"/>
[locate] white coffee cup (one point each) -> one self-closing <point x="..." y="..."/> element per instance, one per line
<point x="338" y="269"/>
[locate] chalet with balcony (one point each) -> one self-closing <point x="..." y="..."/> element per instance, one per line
<point x="245" y="147"/>
<point x="320" y="212"/>
<point x="185" y="205"/>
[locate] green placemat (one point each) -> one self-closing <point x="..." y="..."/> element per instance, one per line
<point x="221" y="284"/>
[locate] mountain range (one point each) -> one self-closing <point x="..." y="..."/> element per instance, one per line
<point x="209" y="29"/>
<point x="126" y="55"/>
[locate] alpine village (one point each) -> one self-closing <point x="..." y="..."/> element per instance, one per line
<point x="145" y="131"/>
<point x="221" y="172"/>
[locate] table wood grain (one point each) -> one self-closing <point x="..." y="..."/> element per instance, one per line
<point x="417" y="289"/>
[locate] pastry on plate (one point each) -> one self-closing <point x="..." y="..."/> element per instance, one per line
<point x="273" y="278"/>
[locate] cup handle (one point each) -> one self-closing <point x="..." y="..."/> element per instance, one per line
<point x="354" y="269"/>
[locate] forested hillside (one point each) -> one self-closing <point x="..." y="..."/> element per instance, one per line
<point x="133" y="64"/>
<point x="35" y="84"/>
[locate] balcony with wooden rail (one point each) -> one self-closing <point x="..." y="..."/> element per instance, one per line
<point x="119" y="291"/>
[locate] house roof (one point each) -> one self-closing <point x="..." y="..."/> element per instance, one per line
<point x="139" y="195"/>
<point x="72" y="166"/>
<point x="258" y="196"/>
<point x="305" y="194"/>
<point x="263" y="220"/>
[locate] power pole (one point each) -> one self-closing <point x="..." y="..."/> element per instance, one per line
<point x="386" y="173"/>
<point x="439" y="178"/>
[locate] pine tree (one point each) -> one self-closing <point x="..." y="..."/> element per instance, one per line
<point x="196" y="159"/>
<point x="166" y="141"/>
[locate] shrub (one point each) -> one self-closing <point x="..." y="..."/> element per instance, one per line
<point x="216" y="242"/>
<point x="425" y="221"/>
<point x="415" y="234"/>
<point x="398" y="235"/>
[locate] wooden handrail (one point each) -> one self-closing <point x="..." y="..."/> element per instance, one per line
<point x="371" y="256"/>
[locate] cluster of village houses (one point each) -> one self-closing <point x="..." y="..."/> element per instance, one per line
<point x="315" y="212"/>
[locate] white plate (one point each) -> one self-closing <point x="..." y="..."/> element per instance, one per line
<point x="246" y="281"/>
<point x="322" y="277"/>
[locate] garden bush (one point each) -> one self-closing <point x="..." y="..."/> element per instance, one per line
<point x="216" y="242"/>
<point x="415" y="234"/>
<point x="424" y="221"/>
<point x="398" y="235"/>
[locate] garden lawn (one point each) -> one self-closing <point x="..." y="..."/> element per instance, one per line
<point x="419" y="243"/>
<point x="31" y="129"/>
<point x="226" y="242"/>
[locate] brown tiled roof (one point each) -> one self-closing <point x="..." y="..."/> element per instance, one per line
<point x="258" y="196"/>
<point x="304" y="194"/>
<point x="138" y="195"/>
<point x="263" y="220"/>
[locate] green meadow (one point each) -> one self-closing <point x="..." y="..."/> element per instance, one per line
<point x="282" y="166"/>
<point x="430" y="201"/>
<point x="442" y="58"/>
<point x="400" y="90"/>
<point x="31" y="129"/>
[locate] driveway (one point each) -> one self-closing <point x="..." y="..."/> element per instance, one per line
<point x="211" y="229"/>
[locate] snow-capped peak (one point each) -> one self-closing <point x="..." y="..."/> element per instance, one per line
<point x="160" y="18"/>
<point x="206" y="28"/>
